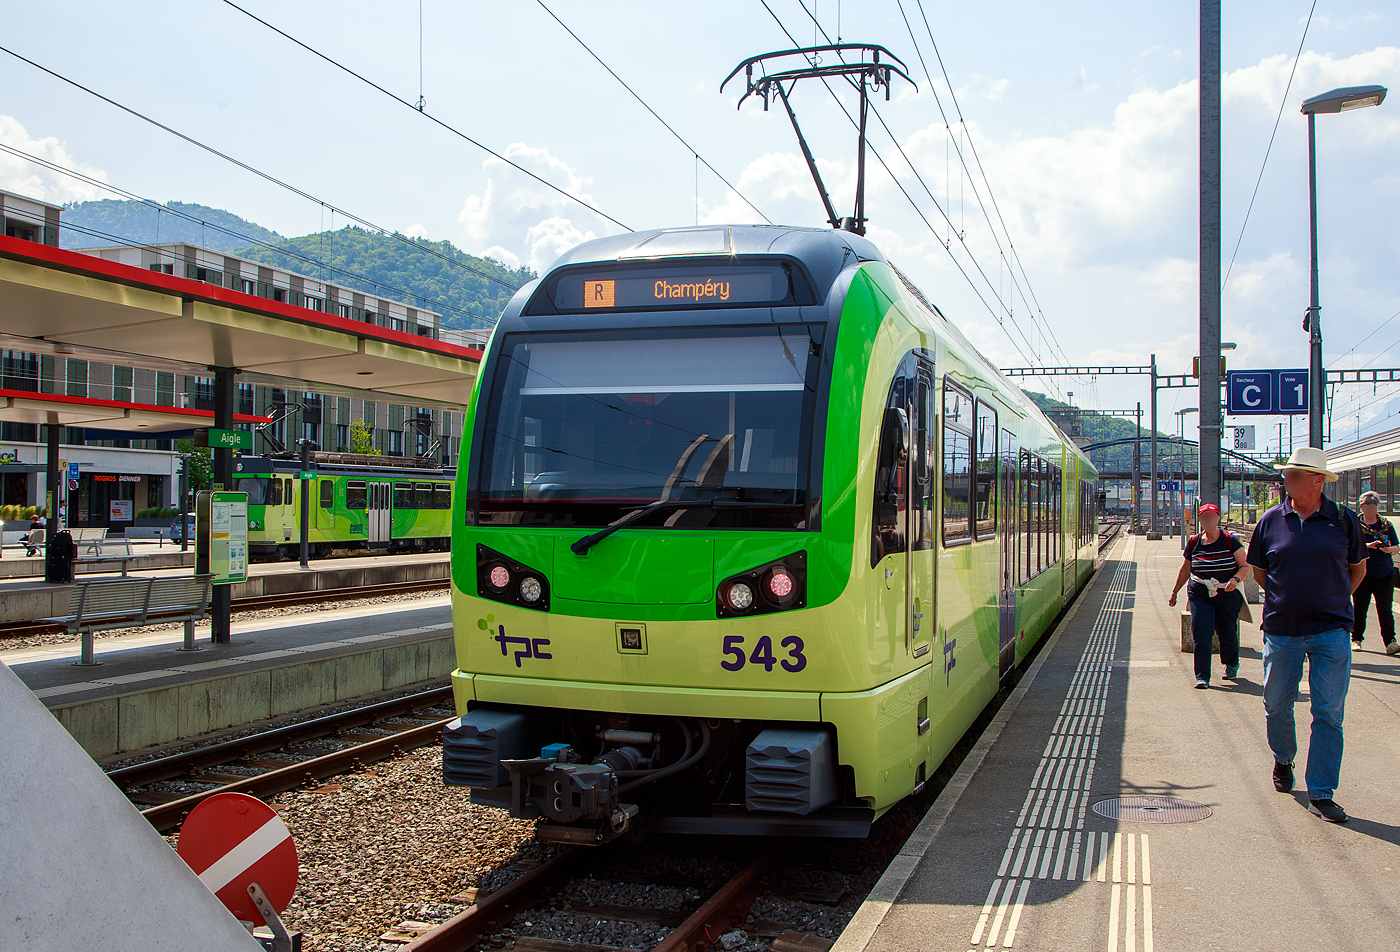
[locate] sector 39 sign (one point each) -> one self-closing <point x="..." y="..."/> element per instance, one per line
<point x="682" y="287"/>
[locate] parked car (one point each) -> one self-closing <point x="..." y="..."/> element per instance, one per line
<point x="189" y="528"/>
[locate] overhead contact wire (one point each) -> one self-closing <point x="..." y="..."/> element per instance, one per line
<point x="450" y="128"/>
<point x="256" y="171"/>
<point x="679" y="138"/>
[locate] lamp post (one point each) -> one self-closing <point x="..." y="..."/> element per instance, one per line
<point x="1338" y="100"/>
<point x="1181" y="449"/>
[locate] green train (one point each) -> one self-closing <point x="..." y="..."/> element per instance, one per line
<point x="358" y="502"/>
<point x="746" y="537"/>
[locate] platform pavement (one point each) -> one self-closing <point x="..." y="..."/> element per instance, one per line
<point x="1013" y="856"/>
<point x="146" y="692"/>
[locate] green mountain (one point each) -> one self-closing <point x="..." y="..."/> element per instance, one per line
<point x="115" y="222"/>
<point x="436" y="275"/>
<point x="1099" y="428"/>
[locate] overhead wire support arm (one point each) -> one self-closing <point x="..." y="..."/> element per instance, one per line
<point x="866" y="74"/>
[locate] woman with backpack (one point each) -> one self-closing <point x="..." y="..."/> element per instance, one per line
<point x="1378" y="535"/>
<point x="1214" y="565"/>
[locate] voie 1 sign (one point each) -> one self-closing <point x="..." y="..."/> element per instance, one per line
<point x="1266" y="392"/>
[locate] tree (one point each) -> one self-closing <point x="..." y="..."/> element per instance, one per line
<point x="362" y="438"/>
<point x="199" y="462"/>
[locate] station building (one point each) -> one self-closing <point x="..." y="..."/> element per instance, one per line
<point x="120" y="477"/>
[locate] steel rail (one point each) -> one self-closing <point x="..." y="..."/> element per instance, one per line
<point x="167" y="816"/>
<point x="177" y="765"/>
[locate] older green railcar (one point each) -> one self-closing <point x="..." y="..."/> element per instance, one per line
<point x="365" y="502"/>
<point x="746" y="537"/>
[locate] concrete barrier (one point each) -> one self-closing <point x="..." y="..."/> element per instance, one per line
<point x="161" y="715"/>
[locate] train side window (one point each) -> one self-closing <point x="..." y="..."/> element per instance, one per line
<point x="985" y="506"/>
<point x="890" y="511"/>
<point x="1055" y="524"/>
<point x="274" y="492"/>
<point x="403" y="495"/>
<point x="957" y="463"/>
<point x="356" y="495"/>
<point x="442" y="495"/>
<point x="1025" y="482"/>
<point x="327" y="494"/>
<point x="423" y="495"/>
<point x="287" y="492"/>
<point x="1383" y="485"/>
<point x="1040" y="527"/>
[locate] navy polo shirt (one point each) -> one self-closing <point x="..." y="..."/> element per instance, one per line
<point x="1307" y="588"/>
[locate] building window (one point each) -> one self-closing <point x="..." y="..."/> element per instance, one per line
<point x="394" y="439"/>
<point x="342" y="437"/>
<point x="163" y="268"/>
<point x="313" y="304"/>
<point x="247" y="286"/>
<point x="342" y="310"/>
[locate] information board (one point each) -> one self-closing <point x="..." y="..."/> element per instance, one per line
<point x="221" y="536"/>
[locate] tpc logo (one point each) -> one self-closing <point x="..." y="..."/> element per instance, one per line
<point x="529" y="647"/>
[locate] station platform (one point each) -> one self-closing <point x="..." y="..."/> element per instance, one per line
<point x="25" y="599"/>
<point x="147" y="692"/>
<point x="1017" y="854"/>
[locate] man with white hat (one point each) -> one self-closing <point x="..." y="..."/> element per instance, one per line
<point x="1308" y="557"/>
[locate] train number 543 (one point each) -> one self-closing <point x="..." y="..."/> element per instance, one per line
<point x="762" y="653"/>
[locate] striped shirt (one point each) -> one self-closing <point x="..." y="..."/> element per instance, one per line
<point x="1211" y="560"/>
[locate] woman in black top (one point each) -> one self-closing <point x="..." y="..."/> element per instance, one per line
<point x="1378" y="535"/>
<point x="1214" y="562"/>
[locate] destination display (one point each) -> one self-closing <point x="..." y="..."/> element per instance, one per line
<point x="680" y="287"/>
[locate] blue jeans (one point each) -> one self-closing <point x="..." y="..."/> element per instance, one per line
<point x="1216" y="617"/>
<point x="1329" y="675"/>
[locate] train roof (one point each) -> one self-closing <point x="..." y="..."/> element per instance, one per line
<point x="824" y="252"/>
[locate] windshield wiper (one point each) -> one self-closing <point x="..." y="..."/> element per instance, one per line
<point x="587" y="542"/>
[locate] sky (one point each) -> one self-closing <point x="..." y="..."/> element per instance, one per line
<point x="1071" y="239"/>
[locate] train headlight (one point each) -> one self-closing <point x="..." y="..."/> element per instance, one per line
<point x="739" y="597"/>
<point x="778" y="586"/>
<point x="502" y="579"/>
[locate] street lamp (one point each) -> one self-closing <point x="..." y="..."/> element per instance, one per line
<point x="1181" y="450"/>
<point x="1338" y="100"/>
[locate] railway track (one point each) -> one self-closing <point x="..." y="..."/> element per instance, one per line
<point x="419" y="725"/>
<point x="255" y="603"/>
<point x="486" y="923"/>
<point x="1108" y="533"/>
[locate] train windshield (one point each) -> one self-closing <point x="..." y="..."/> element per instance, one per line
<point x="584" y="429"/>
<point x="257" y="488"/>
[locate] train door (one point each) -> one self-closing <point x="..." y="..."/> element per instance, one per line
<point x="901" y="544"/>
<point x="325" y="518"/>
<point x="919" y="597"/>
<point x="378" y="515"/>
<point x="1007" y="599"/>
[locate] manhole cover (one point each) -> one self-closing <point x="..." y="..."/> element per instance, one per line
<point x="1152" y="810"/>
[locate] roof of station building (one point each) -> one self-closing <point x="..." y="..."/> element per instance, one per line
<point x="139" y="419"/>
<point x="58" y="301"/>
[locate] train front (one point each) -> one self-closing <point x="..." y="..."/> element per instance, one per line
<point x="638" y="567"/>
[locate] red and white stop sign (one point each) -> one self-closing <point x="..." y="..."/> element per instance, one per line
<point x="232" y="840"/>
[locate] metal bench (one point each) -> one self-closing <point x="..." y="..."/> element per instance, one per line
<point x="124" y="556"/>
<point x="104" y="604"/>
<point x="90" y="537"/>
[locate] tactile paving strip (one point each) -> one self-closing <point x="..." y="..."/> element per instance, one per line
<point x="1152" y="810"/>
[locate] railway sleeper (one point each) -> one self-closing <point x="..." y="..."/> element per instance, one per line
<point x="594" y="776"/>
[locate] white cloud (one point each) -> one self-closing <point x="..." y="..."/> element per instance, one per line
<point x="27" y="178"/>
<point x="1264" y="82"/>
<point x="416" y="231"/>
<point x="520" y="221"/>
<point x="1175" y="279"/>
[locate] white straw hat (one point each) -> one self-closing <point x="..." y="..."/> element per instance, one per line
<point x="1310" y="459"/>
